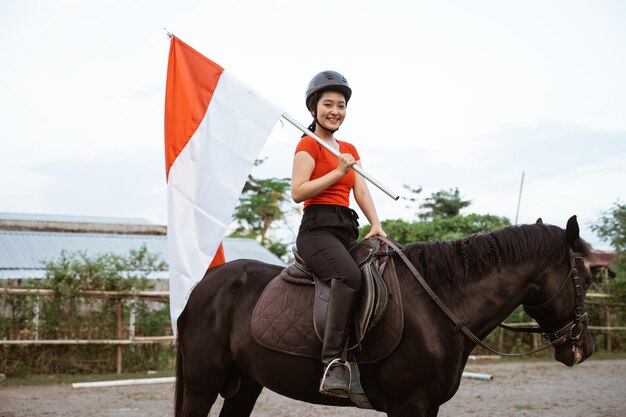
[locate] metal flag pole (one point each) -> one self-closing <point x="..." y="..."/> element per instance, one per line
<point x="332" y="150"/>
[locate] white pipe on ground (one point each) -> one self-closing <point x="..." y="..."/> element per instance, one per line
<point x="124" y="382"/>
<point x="474" y="375"/>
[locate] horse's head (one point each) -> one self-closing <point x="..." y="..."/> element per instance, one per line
<point x="558" y="304"/>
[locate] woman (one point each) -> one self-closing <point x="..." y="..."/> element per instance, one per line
<point x="329" y="228"/>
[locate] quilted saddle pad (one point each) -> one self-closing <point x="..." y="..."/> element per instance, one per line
<point x="283" y="321"/>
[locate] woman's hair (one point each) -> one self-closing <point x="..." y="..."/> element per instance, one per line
<point x="311" y="127"/>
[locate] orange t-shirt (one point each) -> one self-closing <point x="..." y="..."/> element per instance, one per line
<point x="339" y="193"/>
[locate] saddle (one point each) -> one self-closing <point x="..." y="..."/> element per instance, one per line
<point x="374" y="295"/>
<point x="290" y="314"/>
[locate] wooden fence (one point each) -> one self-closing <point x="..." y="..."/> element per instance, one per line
<point x="607" y="329"/>
<point x="163" y="296"/>
<point x="120" y="296"/>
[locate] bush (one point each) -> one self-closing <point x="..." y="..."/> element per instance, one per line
<point x="68" y="315"/>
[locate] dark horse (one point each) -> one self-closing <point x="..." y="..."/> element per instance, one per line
<point x="482" y="279"/>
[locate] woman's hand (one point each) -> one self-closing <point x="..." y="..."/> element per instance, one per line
<point x="376" y="230"/>
<point x="345" y="162"/>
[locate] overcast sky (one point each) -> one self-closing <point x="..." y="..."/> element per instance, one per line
<point x="447" y="94"/>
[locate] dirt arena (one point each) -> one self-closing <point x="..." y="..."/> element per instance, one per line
<point x="596" y="388"/>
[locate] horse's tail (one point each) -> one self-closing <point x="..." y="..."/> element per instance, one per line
<point x="180" y="384"/>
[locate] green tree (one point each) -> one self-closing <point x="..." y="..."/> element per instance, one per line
<point x="441" y="221"/>
<point x="411" y="198"/>
<point x="611" y="226"/>
<point x="440" y="228"/>
<point x="261" y="205"/>
<point x="444" y="204"/>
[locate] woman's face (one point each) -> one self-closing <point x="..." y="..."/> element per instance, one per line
<point x="331" y="109"/>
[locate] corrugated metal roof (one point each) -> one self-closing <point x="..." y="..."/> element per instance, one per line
<point x="71" y="219"/>
<point x="23" y="251"/>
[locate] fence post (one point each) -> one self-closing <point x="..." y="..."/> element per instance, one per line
<point x="536" y="337"/>
<point x="36" y="317"/>
<point x="119" y="335"/>
<point x="607" y="312"/>
<point x="132" y="319"/>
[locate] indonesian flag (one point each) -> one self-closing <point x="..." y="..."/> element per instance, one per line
<point x="215" y="128"/>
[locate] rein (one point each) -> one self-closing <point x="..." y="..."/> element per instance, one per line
<point x="571" y="331"/>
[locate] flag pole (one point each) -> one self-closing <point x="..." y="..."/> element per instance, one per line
<point x="332" y="150"/>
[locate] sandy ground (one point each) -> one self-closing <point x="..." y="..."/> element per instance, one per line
<point x="548" y="389"/>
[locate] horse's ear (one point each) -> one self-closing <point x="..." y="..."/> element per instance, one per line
<point x="539" y="221"/>
<point x="572" y="232"/>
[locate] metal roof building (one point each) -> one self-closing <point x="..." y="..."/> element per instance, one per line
<point x="27" y="242"/>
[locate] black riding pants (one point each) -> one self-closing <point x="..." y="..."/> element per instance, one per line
<point x="326" y="235"/>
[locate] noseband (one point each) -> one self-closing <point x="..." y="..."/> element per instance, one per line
<point x="571" y="332"/>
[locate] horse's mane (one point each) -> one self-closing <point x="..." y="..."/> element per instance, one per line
<point x="478" y="254"/>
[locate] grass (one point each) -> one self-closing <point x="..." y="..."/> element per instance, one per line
<point x="520" y="407"/>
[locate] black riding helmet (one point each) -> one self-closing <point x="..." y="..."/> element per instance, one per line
<point x="326" y="80"/>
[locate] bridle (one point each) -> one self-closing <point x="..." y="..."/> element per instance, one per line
<point x="569" y="333"/>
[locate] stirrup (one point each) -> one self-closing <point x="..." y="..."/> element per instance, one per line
<point x="330" y="365"/>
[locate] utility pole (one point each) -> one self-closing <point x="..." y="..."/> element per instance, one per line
<point x="519" y="198"/>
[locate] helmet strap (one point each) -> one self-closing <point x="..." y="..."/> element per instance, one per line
<point x="317" y="122"/>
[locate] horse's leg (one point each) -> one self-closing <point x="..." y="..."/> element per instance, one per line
<point x="434" y="410"/>
<point x="414" y="408"/>
<point x="242" y="403"/>
<point x="205" y="368"/>
<point x="202" y="385"/>
<point x="414" y="412"/>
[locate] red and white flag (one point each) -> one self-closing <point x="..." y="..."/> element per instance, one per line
<point x="215" y="128"/>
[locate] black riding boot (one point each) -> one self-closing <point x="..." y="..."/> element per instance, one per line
<point x="341" y="304"/>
